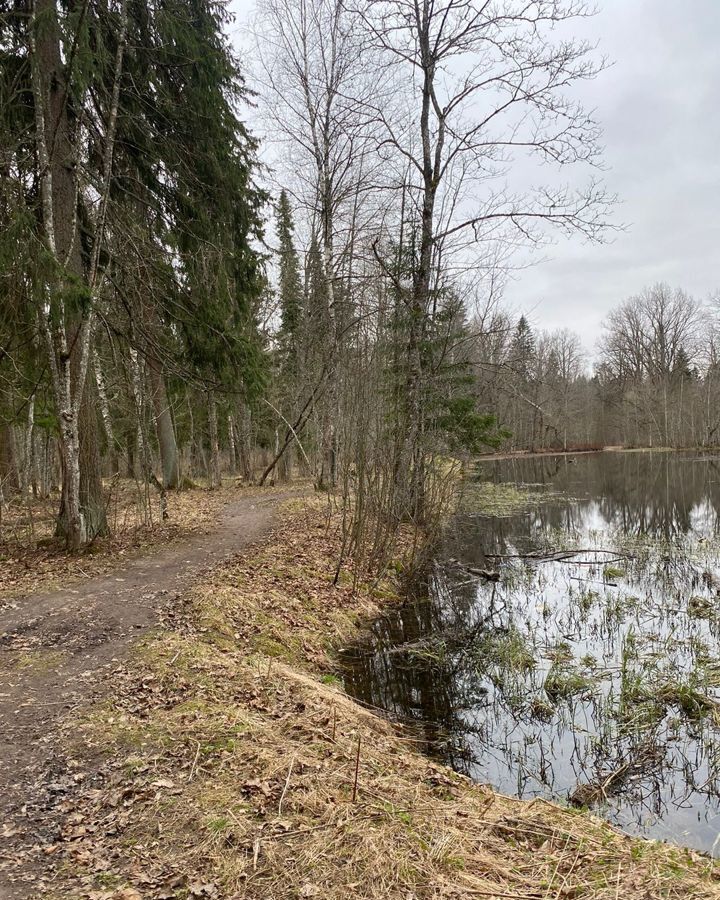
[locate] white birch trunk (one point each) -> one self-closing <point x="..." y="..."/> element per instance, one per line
<point x="140" y="410"/>
<point x="68" y="390"/>
<point x="104" y="408"/>
<point x="28" y="447"/>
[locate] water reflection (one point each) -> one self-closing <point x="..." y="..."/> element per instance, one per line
<point x="591" y="670"/>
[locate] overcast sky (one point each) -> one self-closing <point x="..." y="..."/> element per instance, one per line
<point x="658" y="105"/>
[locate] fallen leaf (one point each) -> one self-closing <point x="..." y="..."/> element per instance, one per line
<point x="162" y="783"/>
<point x="203" y="890"/>
<point x="254" y="784"/>
<point x="127" y="894"/>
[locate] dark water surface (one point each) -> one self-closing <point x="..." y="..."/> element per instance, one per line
<point x="590" y="671"/>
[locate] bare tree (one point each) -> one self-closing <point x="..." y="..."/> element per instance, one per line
<point x="315" y="86"/>
<point x="564" y="361"/>
<point x="650" y="333"/>
<point x="483" y="83"/>
<point x="651" y="343"/>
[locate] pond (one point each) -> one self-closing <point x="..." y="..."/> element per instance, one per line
<point x="589" y="671"/>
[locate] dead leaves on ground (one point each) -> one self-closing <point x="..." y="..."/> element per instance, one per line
<point x="227" y="771"/>
<point x="32" y="561"/>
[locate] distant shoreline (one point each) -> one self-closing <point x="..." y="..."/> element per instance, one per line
<point x="615" y="448"/>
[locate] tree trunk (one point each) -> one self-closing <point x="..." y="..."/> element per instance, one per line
<point x="137" y="382"/>
<point x="92" y="496"/>
<point x="215" y="479"/>
<point x="28" y="447"/>
<point x="90" y="503"/>
<point x="66" y="330"/>
<point x="9" y="474"/>
<point x="105" y="415"/>
<point x="57" y="186"/>
<point x="245" y="449"/>
<point x="231" y="444"/>
<point x="164" y="425"/>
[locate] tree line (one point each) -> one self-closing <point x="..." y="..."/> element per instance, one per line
<point x="651" y="380"/>
<point x="171" y="308"/>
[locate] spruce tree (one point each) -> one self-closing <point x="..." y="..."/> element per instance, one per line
<point x="522" y="351"/>
<point x="150" y="219"/>
<point x="289" y="287"/>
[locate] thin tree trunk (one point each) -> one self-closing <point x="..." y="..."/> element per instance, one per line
<point x="9" y="472"/>
<point x="231" y="444"/>
<point x="28" y="446"/>
<point x="137" y="382"/>
<point x="58" y="194"/>
<point x="245" y="438"/>
<point x="164" y="425"/>
<point x="68" y="335"/>
<point x="215" y="479"/>
<point x="105" y="415"/>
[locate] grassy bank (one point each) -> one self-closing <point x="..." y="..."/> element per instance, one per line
<point x="227" y="762"/>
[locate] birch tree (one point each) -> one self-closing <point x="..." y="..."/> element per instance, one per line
<point x="315" y="83"/>
<point x="125" y="170"/>
<point x="67" y="317"/>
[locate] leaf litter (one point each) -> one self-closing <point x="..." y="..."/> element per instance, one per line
<point x="221" y="764"/>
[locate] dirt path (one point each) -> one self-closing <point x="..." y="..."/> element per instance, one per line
<point x="55" y="649"/>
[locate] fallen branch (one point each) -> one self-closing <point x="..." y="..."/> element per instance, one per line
<point x="287" y="784"/>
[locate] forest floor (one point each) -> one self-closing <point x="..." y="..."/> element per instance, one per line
<point x="57" y="645"/>
<point x="175" y="736"/>
<point x="32" y="560"/>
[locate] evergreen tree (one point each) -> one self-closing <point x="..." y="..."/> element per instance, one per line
<point x="289" y="287"/>
<point x="681" y="368"/>
<point x="150" y="217"/>
<point x="316" y="302"/>
<point x="522" y="350"/>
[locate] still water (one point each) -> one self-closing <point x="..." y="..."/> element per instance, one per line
<point x="590" y="671"/>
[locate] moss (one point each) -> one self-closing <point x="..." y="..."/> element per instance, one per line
<point x="34" y="660"/>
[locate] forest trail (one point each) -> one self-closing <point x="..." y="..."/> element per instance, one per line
<point x="55" y="648"/>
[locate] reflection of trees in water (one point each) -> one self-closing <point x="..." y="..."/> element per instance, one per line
<point x="415" y="666"/>
<point x="652" y="494"/>
<point x="655" y="494"/>
<point x="482" y="721"/>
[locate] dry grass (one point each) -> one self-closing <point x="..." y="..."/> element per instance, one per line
<point x="229" y="771"/>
